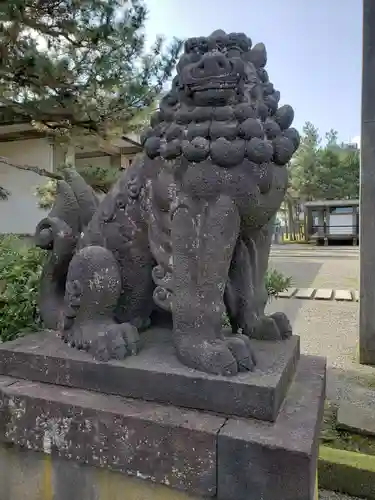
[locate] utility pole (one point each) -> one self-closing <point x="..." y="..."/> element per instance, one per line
<point x="367" y="194"/>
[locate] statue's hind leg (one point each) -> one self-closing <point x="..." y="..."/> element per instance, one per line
<point x="136" y="303"/>
<point x="119" y="224"/>
<point x="246" y="295"/>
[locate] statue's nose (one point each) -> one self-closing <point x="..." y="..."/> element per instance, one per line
<point x="213" y="65"/>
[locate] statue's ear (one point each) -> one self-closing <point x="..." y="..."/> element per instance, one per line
<point x="84" y="194"/>
<point x="258" y="55"/>
<point x="66" y="207"/>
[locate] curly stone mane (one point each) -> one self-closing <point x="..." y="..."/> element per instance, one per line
<point x="225" y="117"/>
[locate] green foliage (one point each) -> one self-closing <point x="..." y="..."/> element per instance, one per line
<point x="20" y="270"/>
<point x="73" y="65"/>
<point x="329" y="171"/>
<point x="276" y="283"/>
<point x="46" y="194"/>
<point x="303" y="167"/>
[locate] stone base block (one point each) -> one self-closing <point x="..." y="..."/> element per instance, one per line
<point x="258" y="461"/>
<point x="29" y="475"/>
<point x="156" y="374"/>
<point x="163" y="444"/>
<point x="200" y="453"/>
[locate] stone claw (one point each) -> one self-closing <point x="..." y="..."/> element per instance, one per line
<point x="227" y="356"/>
<point x="131" y="338"/>
<point x="115" y="342"/>
<point x="108" y="344"/>
<point x="239" y="346"/>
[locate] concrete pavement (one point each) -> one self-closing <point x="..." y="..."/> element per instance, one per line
<point x="318" y="267"/>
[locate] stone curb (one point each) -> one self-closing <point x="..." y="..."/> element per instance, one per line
<point x="348" y="472"/>
<point x="327" y="294"/>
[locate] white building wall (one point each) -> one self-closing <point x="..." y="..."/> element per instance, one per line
<point x="20" y="213"/>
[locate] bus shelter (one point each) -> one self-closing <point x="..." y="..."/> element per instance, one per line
<point x="329" y="220"/>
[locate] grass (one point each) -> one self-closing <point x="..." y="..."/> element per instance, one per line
<point x="346" y="460"/>
<point x="348" y="472"/>
<point x="351" y="459"/>
<point x="343" y="440"/>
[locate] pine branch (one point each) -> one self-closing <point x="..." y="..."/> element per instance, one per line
<point x="31" y="168"/>
<point x="80" y="64"/>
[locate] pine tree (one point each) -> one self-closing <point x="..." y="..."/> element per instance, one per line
<point x="79" y="64"/>
<point x="79" y="67"/>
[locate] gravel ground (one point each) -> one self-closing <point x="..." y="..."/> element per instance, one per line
<point x="326" y="328"/>
<point x="330" y="329"/>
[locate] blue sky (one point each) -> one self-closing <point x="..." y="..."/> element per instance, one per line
<point x="314" y="49"/>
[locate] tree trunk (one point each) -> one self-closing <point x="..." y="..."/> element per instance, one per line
<point x="291" y="225"/>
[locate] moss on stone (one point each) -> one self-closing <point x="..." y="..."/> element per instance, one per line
<point x="349" y="472"/>
<point x="349" y="458"/>
<point x="343" y="440"/>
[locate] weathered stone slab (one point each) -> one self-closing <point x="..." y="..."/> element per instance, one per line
<point x="287" y="294"/>
<point x="163" y="444"/>
<point x="257" y="460"/>
<point x="343" y="295"/>
<point x="30" y="475"/>
<point x="156" y="374"/>
<point x="305" y="293"/>
<point x="356" y="418"/>
<point x="323" y="294"/>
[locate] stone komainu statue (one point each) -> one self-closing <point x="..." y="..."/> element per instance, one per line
<point x="187" y="226"/>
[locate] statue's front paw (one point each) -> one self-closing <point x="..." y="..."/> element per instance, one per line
<point x="115" y="342"/>
<point x="227" y="356"/>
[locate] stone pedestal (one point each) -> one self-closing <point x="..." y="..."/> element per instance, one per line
<point x="156" y="374"/>
<point x="118" y="420"/>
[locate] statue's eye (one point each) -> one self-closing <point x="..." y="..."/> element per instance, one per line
<point x="191" y="45"/>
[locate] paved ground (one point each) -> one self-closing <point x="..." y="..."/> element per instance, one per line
<point x="318" y="267"/>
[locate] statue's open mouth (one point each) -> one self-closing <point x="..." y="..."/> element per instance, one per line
<point x="207" y="86"/>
